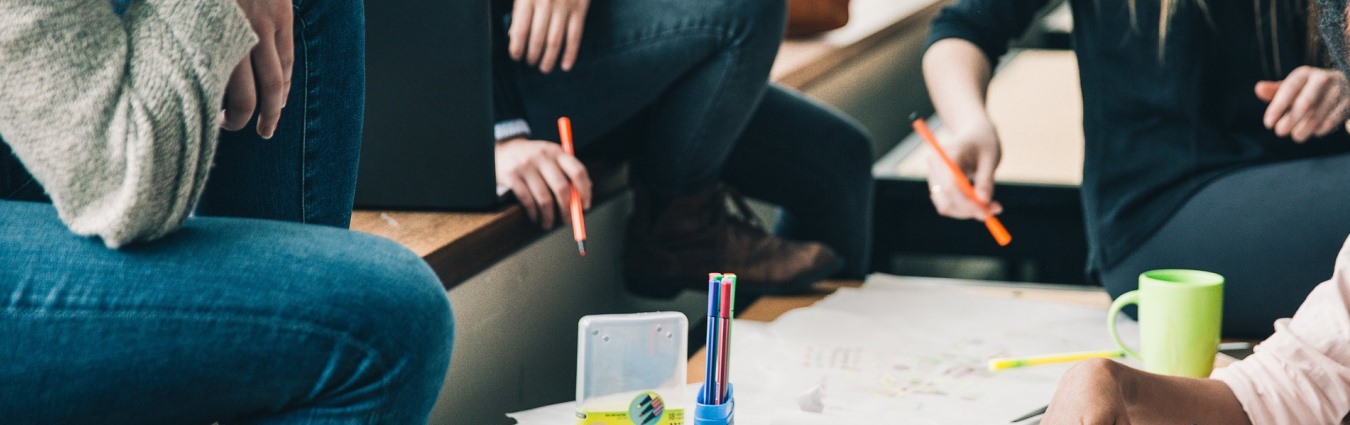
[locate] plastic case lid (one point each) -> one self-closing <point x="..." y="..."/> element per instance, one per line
<point x="621" y="357"/>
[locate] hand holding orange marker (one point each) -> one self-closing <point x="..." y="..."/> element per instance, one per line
<point x="996" y="228"/>
<point x="578" y="220"/>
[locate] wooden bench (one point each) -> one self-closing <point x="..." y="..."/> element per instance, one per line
<point x="458" y="245"/>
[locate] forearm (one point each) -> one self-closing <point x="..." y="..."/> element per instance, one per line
<point x="957" y="75"/>
<point x="1159" y="399"/>
<point x="116" y="117"/>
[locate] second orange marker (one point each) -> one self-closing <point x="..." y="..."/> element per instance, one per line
<point x="578" y="219"/>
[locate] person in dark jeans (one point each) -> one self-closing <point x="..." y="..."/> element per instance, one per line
<point x="1215" y="140"/>
<point x="229" y="318"/>
<point x="680" y="88"/>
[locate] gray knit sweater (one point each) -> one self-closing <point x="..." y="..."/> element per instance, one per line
<point x="117" y="117"/>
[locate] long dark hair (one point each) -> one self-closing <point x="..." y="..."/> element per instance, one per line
<point x="1315" y="51"/>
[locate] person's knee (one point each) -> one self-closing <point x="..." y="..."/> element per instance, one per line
<point x="403" y="287"/>
<point x="386" y="295"/>
<point x="855" y="145"/>
<point x="759" y="20"/>
<point x="852" y="152"/>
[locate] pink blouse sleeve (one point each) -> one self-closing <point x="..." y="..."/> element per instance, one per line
<point x="1301" y="375"/>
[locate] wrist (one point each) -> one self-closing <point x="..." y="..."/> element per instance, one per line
<point x="1131" y="383"/>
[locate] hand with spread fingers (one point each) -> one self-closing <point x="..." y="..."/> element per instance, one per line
<point x="547" y="33"/>
<point x="262" y="81"/>
<point x="541" y="176"/>
<point x="1310" y="102"/>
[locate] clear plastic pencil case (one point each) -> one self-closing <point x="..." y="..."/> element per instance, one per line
<point x="631" y="369"/>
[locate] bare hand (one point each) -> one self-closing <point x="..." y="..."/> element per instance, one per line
<point x="542" y="176"/>
<point x="541" y="30"/>
<point x="1090" y="394"/>
<point x="977" y="152"/>
<point x="262" y="81"/>
<point x="1309" y="102"/>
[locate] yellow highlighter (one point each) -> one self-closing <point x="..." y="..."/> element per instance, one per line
<point x="1009" y="363"/>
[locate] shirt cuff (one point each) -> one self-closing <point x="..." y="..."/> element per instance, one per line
<point x="511" y="128"/>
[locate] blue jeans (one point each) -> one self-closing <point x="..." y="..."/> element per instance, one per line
<point x="682" y="86"/>
<point x="307" y="172"/>
<point x="230" y="319"/>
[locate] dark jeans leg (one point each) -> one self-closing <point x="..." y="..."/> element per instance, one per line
<point x="696" y="68"/>
<point x="1272" y="231"/>
<point x="817" y="164"/>
<point x="307" y="172"/>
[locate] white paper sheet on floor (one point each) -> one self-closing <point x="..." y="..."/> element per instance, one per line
<point x="898" y="351"/>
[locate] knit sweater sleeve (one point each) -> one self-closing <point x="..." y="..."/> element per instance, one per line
<point x="117" y="118"/>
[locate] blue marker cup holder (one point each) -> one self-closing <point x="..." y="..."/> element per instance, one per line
<point x="715" y="414"/>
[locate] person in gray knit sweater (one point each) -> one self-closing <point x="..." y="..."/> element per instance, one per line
<point x="120" y="307"/>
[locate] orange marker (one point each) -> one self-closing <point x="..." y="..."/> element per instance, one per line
<point x="578" y="220"/>
<point x="995" y="227"/>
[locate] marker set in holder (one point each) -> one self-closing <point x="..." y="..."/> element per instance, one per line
<point x="715" y="405"/>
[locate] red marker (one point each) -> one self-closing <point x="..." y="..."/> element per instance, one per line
<point x="578" y="220"/>
<point x="724" y="340"/>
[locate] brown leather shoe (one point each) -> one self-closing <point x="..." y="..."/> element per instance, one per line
<point x="695" y="235"/>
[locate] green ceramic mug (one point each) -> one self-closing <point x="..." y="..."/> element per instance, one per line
<point x="1180" y="312"/>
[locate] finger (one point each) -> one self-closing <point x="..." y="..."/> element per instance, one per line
<point x="561" y="188"/>
<point x="286" y="49"/>
<point x="523" y="195"/>
<point x="961" y="207"/>
<point x="538" y="32"/>
<point x="521" y="18"/>
<point x="1284" y="97"/>
<point x="938" y="178"/>
<point x="941" y="202"/>
<point x="1265" y="90"/>
<point x="1336" y="118"/>
<point x="947" y="198"/>
<point x="1304" y="108"/>
<point x="557" y="30"/>
<point x="1321" y="114"/>
<point x="984" y="178"/>
<point x="241" y="96"/>
<point x="271" y="87"/>
<point x="1285" y="122"/>
<point x="577" y="175"/>
<point x="952" y="203"/>
<point x="543" y="199"/>
<point x="575" y="26"/>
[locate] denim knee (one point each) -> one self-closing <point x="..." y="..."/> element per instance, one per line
<point x="400" y="292"/>
<point x="753" y="22"/>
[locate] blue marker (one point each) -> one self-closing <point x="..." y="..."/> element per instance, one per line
<point x="710" y="374"/>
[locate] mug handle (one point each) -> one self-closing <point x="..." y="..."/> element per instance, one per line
<point x="1128" y="298"/>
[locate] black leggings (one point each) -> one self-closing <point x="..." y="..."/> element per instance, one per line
<point x="1271" y="230"/>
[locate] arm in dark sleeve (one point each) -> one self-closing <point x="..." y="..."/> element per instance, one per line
<point x="988" y="24"/>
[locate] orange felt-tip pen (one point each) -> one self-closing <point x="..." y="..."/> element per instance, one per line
<point x="996" y="228"/>
<point x="578" y="219"/>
